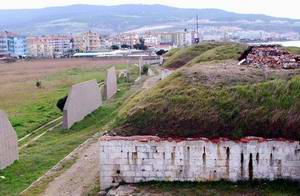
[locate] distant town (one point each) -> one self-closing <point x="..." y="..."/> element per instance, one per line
<point x="93" y="44"/>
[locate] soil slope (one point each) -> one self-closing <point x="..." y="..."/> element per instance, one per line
<point x="217" y="100"/>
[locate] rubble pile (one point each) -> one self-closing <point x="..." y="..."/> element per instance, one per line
<point x="270" y="56"/>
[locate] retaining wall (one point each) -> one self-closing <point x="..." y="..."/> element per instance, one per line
<point x="83" y="99"/>
<point x="149" y="158"/>
<point x="8" y="142"/>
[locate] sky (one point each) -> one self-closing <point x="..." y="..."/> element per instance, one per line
<point x="279" y="8"/>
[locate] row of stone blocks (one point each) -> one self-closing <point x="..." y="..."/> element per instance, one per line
<point x="85" y="98"/>
<point x="138" y="159"/>
<point x="8" y="142"/>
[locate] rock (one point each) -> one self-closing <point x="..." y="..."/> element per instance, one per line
<point x="101" y="193"/>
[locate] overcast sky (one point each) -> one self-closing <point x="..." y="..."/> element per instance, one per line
<point x="280" y="8"/>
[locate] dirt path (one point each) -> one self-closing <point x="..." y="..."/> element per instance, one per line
<point x="80" y="176"/>
<point x="77" y="180"/>
<point x="150" y="82"/>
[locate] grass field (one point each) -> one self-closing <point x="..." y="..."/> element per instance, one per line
<point x="44" y="153"/>
<point x="28" y="106"/>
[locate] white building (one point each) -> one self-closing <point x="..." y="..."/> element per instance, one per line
<point x="3" y="44"/>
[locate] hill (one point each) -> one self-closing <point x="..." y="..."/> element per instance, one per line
<point x="203" y="52"/>
<point x="217" y="99"/>
<point x="121" y="18"/>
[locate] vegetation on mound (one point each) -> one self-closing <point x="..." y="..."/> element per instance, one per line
<point x="224" y="52"/>
<point x="220" y="188"/>
<point x="294" y="50"/>
<point x="179" y="107"/>
<point x="203" y="52"/>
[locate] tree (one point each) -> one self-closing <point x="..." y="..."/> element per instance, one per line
<point x="115" y="47"/>
<point x="125" y="46"/>
<point x="145" y="69"/>
<point x="161" y="52"/>
<point x="141" y="45"/>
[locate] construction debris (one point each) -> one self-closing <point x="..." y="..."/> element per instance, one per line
<point x="270" y="56"/>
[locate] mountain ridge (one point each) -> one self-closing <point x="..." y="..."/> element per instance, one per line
<point x="121" y="18"/>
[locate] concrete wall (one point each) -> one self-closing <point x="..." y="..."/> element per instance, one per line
<point x="149" y="158"/>
<point x="150" y="61"/>
<point x="8" y="142"/>
<point x="110" y="86"/>
<point x="83" y="99"/>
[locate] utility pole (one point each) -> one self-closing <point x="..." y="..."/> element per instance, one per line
<point x="197" y="38"/>
<point x="197" y="24"/>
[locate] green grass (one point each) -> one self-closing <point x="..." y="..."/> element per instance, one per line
<point x="270" y="188"/>
<point x="177" y="107"/>
<point x="171" y="52"/>
<point x="44" y="153"/>
<point x="294" y="50"/>
<point x="203" y="52"/>
<point x="39" y="105"/>
<point x="230" y="51"/>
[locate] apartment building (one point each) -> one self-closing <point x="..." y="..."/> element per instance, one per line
<point x="151" y="39"/>
<point x="87" y="42"/>
<point x="53" y="46"/>
<point x="179" y="39"/>
<point x="39" y="47"/>
<point x="12" y="44"/>
<point x="62" y="45"/>
<point x="3" y="44"/>
<point x="129" y="39"/>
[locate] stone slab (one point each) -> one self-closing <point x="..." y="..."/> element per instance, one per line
<point x="8" y="142"/>
<point x="110" y="86"/>
<point x="83" y="99"/>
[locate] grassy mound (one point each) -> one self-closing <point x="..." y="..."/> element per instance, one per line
<point x="294" y="50"/>
<point x="216" y="100"/>
<point x="203" y="52"/>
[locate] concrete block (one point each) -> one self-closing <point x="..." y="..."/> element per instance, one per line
<point x="83" y="99"/>
<point x="8" y="142"/>
<point x="110" y="86"/>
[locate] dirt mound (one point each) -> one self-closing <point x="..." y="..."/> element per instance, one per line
<point x="203" y="52"/>
<point x="217" y="100"/>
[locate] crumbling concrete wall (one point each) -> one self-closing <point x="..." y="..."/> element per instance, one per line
<point x="83" y="99"/>
<point x="110" y="86"/>
<point x="149" y="158"/>
<point x="8" y="142"/>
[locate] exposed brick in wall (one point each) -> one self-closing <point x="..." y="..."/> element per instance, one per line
<point x="83" y="99"/>
<point x="149" y="158"/>
<point x="8" y="142"/>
